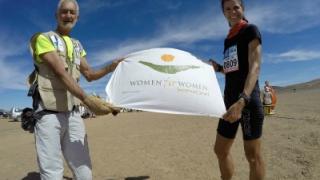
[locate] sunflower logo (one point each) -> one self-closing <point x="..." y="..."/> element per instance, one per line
<point x="168" y="69"/>
<point x="167" y="58"/>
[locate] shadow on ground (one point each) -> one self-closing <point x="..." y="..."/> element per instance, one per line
<point x="137" y="178"/>
<point x="36" y="176"/>
<point x="129" y="178"/>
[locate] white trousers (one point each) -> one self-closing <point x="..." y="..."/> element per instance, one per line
<point x="62" y="135"/>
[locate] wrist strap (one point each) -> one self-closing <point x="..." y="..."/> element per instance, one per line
<point x="245" y="98"/>
<point x="220" y="68"/>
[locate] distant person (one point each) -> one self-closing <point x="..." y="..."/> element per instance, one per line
<point x="267" y="96"/>
<point x="59" y="61"/>
<point x="294" y="90"/>
<point x="241" y="66"/>
<point x="274" y="95"/>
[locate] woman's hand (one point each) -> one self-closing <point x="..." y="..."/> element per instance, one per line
<point x="217" y="67"/>
<point x="234" y="113"/>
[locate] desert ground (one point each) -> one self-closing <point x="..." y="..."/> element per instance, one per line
<point x="152" y="146"/>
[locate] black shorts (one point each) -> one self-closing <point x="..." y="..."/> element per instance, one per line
<point x="251" y="122"/>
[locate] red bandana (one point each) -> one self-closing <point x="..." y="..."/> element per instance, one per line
<point x="236" y="28"/>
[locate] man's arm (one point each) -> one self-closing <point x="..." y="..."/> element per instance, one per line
<point x="53" y="60"/>
<point x="98" y="106"/>
<point x="91" y="74"/>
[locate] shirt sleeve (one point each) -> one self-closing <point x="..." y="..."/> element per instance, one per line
<point x="253" y="32"/>
<point x="83" y="53"/>
<point x="43" y="45"/>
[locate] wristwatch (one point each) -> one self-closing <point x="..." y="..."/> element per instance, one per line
<point x="245" y="98"/>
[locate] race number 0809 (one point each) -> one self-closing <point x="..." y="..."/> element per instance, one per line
<point x="231" y="65"/>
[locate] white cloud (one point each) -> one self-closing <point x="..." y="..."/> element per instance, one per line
<point x="279" y="17"/>
<point x="11" y="74"/>
<point x="294" y="56"/>
<point x="90" y="6"/>
<point x="11" y="77"/>
<point x="10" y="45"/>
<point x="40" y="22"/>
<point x="285" y="16"/>
<point x="190" y="29"/>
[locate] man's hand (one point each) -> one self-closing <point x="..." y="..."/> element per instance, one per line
<point x="114" y="110"/>
<point x="114" y="64"/>
<point x="99" y="107"/>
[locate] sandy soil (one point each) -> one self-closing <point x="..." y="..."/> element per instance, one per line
<point x="143" y="146"/>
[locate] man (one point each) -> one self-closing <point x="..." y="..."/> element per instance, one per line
<point x="59" y="61"/>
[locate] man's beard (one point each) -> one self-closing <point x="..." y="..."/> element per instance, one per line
<point x="67" y="25"/>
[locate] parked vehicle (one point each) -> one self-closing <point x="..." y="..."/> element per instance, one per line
<point x="16" y="114"/>
<point x="4" y="114"/>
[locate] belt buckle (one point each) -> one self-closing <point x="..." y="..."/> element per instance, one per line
<point x="76" y="108"/>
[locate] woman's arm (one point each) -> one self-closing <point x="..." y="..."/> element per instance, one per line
<point x="254" y="57"/>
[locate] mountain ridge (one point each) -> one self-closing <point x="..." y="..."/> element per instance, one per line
<point x="309" y="85"/>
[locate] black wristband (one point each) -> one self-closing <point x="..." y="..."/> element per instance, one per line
<point x="245" y="98"/>
<point x="220" y="68"/>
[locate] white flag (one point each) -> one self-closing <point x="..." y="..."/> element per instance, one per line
<point x="166" y="80"/>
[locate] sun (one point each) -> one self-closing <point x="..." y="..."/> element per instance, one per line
<point x="167" y="57"/>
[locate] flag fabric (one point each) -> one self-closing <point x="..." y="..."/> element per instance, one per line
<point x="166" y="80"/>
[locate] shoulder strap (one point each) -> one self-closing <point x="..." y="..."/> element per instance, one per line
<point x="33" y="76"/>
<point x="55" y="39"/>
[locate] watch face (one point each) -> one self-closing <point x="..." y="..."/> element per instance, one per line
<point x="245" y="98"/>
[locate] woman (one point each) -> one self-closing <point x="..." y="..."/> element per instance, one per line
<point x="274" y="96"/>
<point x="267" y="96"/>
<point x="242" y="57"/>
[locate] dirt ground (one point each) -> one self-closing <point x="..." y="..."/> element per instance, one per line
<point x="151" y="146"/>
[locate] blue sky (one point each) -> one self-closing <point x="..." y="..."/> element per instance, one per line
<point x="111" y="28"/>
